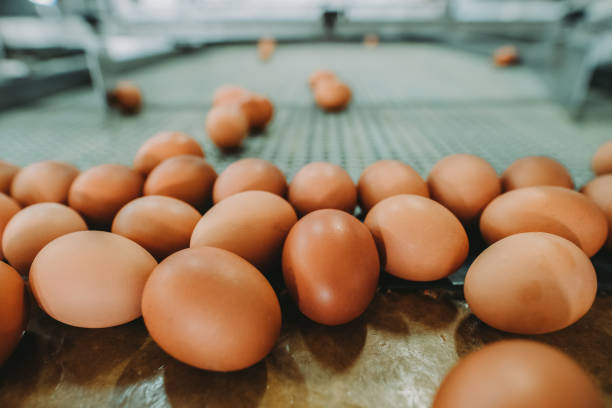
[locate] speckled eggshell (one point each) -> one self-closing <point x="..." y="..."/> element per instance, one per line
<point x="602" y="160"/>
<point x="417" y="238"/>
<point x="163" y="146"/>
<point x="14" y="310"/>
<point x="536" y="171"/>
<point x="227" y="126"/>
<point x="251" y="224"/>
<point x="387" y="178"/>
<point x="320" y="75"/>
<point x="556" y="210"/>
<point x="464" y="184"/>
<point x="45" y="181"/>
<point x="186" y="177"/>
<point x="249" y="174"/>
<point x="320" y="185"/>
<point x="600" y="191"/>
<point x="101" y="191"/>
<point x="228" y="94"/>
<point x="517" y="374"/>
<point x="34" y="227"/>
<point x="91" y="279"/>
<point x="8" y="208"/>
<point x="531" y="283"/>
<point x="7" y="173"/>
<point x="161" y="225"/>
<point x="211" y="309"/>
<point x="330" y="266"/>
<point x="332" y="95"/>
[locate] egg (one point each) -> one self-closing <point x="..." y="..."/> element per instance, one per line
<point x="45" y="181"/>
<point x="506" y="56"/>
<point x="127" y="97"/>
<point x="161" y="225"/>
<point x="332" y="95"/>
<point x="227" y="126"/>
<point x="8" y="208"/>
<point x="531" y="283"/>
<point x="251" y="224"/>
<point x="91" y="279"/>
<point x="370" y="41"/>
<point x="602" y="160"/>
<point x="330" y="266"/>
<point x="320" y="185"/>
<point x="517" y="374"/>
<point x="536" y="171"/>
<point x="258" y="110"/>
<point x="163" y="146"/>
<point x="34" y="227"/>
<point x="101" y="191"/>
<point x="186" y="177"/>
<point x="556" y="210"/>
<point x="320" y="75"/>
<point x="249" y="174"/>
<point x="387" y="178"/>
<point x="7" y="173"/>
<point x="464" y="184"/>
<point x="228" y="94"/>
<point x="600" y="191"/>
<point x="417" y="238"/>
<point x="266" y="47"/>
<point x="211" y="309"/>
<point x="14" y="307"/>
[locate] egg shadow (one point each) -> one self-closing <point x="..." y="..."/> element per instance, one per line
<point x="336" y="347"/>
<point x="587" y="341"/>
<point x="154" y="377"/>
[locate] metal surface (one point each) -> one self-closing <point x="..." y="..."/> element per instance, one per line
<point x="413" y="102"/>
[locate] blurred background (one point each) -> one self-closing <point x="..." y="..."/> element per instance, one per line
<point x="425" y="70"/>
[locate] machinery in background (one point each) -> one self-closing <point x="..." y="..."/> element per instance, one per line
<point x="63" y="43"/>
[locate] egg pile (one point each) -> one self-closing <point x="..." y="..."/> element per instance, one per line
<point x="191" y="252"/>
<point x="236" y="111"/>
<point x="330" y="93"/>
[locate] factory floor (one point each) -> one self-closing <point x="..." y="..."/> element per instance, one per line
<point x="414" y="102"/>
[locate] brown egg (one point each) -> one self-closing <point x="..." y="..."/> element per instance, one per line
<point x="417" y="238"/>
<point x="249" y="174"/>
<point x="602" y="160"/>
<point x="7" y="173"/>
<point x="370" y="41"/>
<point x="258" y="110"/>
<point x="101" y="191"/>
<point x="266" y="47"/>
<point x="227" y="126"/>
<point x="332" y="95"/>
<point x="211" y="309"/>
<point x="330" y="266"/>
<point x="91" y="279"/>
<point x="34" y="227"/>
<point x="506" y="56"/>
<point x="162" y="146"/>
<point x="8" y="208"/>
<point x="322" y="185"/>
<point x="161" y="225"/>
<point x="320" y="75"/>
<point x="517" y="374"/>
<point x="536" y="171"/>
<point x="556" y="210"/>
<point x="188" y="178"/>
<point x="600" y="191"/>
<point x="228" y="94"/>
<point x="464" y="184"/>
<point x="45" y="181"/>
<point x="14" y="307"/>
<point x="531" y="283"/>
<point x="387" y="178"/>
<point x="251" y="224"/>
<point x="127" y="97"/>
